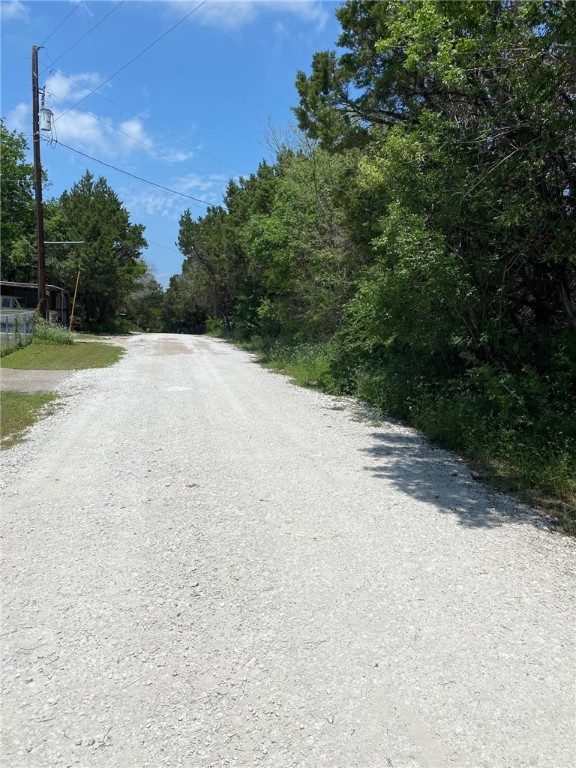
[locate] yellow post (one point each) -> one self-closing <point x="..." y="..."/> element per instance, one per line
<point x="74" y="301"/>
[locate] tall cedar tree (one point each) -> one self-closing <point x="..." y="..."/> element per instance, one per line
<point x="110" y="260"/>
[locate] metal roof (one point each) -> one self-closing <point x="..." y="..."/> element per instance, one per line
<point x="8" y="284"/>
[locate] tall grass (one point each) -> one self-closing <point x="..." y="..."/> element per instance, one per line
<point x="307" y="363"/>
<point x="51" y="333"/>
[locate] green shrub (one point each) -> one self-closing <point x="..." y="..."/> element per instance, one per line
<point x="116" y="325"/>
<point x="51" y="333"/>
<point x="307" y="362"/>
<point x="215" y="327"/>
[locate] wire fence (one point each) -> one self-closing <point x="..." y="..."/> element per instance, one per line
<point x="16" y="328"/>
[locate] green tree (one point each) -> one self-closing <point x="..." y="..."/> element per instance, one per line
<point x="299" y="252"/>
<point x="212" y="264"/>
<point x="184" y="310"/>
<point x="144" y="304"/>
<point x="110" y="259"/>
<point x="63" y="260"/>
<point x="492" y="79"/>
<point x="17" y="226"/>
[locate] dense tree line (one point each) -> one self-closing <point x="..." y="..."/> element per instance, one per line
<point x="420" y="228"/>
<point x="115" y="282"/>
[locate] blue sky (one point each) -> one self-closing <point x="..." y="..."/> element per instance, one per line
<point x="188" y="114"/>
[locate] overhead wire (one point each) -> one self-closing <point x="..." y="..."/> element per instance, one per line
<point x="166" y="247"/>
<point x="149" y="122"/>
<point x="65" y="19"/>
<point x="133" y="138"/>
<point x="114" y="103"/>
<point x="138" y="55"/>
<point x="134" y="176"/>
<point x="103" y="19"/>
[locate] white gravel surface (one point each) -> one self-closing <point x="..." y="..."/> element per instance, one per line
<point x="204" y="565"/>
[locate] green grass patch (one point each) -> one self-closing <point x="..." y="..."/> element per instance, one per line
<point x="9" y="350"/>
<point x="72" y="357"/>
<point x="307" y="363"/>
<point x="19" y="411"/>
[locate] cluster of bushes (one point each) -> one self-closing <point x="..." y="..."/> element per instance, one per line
<point x="51" y="333"/>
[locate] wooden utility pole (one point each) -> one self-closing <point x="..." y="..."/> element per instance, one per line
<point x="42" y="302"/>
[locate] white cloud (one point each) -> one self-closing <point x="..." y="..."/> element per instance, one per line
<point x="84" y="129"/>
<point x="280" y="29"/>
<point x="210" y="187"/>
<point x="13" y="10"/>
<point x="101" y="135"/>
<point x="154" y="203"/>
<point x="71" y="88"/>
<point x="176" y="155"/>
<point x="227" y="14"/>
<point x="308" y="10"/>
<point x="133" y="134"/>
<point x="20" y="118"/>
<point x="90" y="132"/>
<point x="232" y="14"/>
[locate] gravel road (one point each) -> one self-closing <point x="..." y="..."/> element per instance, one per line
<point x="204" y="565"/>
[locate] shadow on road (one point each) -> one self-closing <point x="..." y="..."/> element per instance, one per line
<point x="432" y="475"/>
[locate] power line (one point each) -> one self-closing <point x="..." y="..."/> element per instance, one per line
<point x="142" y="52"/>
<point x="132" y="175"/>
<point x="53" y="61"/>
<point x="166" y="247"/>
<point x="133" y="138"/>
<point x="62" y="22"/>
<point x="149" y="122"/>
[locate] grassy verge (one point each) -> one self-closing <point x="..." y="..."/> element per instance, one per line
<point x="53" y="357"/>
<point x="536" y="462"/>
<point x="532" y="462"/>
<point x="547" y="485"/>
<point x="53" y="349"/>
<point x="308" y="364"/>
<point x="20" y="411"/>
